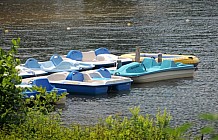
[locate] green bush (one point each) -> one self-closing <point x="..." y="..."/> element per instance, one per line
<point x="211" y="127"/>
<point x="138" y="127"/>
<point x="37" y="126"/>
<point x="40" y="126"/>
<point x="13" y="106"/>
<point x="11" y="103"/>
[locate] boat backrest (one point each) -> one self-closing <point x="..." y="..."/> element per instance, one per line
<point x="88" y="56"/>
<point x="56" y="59"/>
<point x="167" y="64"/>
<point x="75" y="55"/>
<point x="32" y="63"/>
<point x="75" y="76"/>
<point x="133" y="67"/>
<point x="44" y="83"/>
<point x="104" y="72"/>
<point x="101" y="51"/>
<point x="149" y="62"/>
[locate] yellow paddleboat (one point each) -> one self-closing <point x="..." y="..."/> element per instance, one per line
<point x="185" y="59"/>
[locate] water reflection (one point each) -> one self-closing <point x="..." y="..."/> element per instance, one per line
<point x="85" y="98"/>
<point x="164" y="83"/>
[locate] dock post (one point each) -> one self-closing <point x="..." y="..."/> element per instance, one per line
<point x="159" y="57"/>
<point x="137" y="54"/>
<point x="118" y="64"/>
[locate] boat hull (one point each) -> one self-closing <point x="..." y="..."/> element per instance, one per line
<point x="121" y="87"/>
<point x="163" y="76"/>
<point x="93" y="90"/>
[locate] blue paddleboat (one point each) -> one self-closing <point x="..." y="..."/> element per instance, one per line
<point x="94" y="82"/>
<point x="55" y="64"/>
<point x="100" y="57"/>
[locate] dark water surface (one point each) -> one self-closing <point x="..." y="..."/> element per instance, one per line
<point x="167" y="26"/>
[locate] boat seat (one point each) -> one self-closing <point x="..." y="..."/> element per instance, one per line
<point x="47" y="65"/>
<point x="44" y="83"/>
<point x="106" y="57"/>
<point x="75" y="76"/>
<point x="64" y="65"/>
<point x="167" y="64"/>
<point x="100" y="58"/>
<point x="95" y="75"/>
<point x="75" y="55"/>
<point x="87" y="77"/>
<point x="149" y="62"/>
<point x="56" y="59"/>
<point x="57" y="76"/>
<point x="104" y="72"/>
<point x="88" y="56"/>
<point x="101" y="51"/>
<point x="32" y="63"/>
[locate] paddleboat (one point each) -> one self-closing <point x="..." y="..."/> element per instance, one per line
<point x="100" y="57"/>
<point x="55" y="64"/>
<point x="93" y="82"/>
<point x="185" y="59"/>
<point x="149" y="70"/>
<point x="26" y="72"/>
<point x="29" y="92"/>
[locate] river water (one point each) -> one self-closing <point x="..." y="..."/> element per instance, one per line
<point x="167" y="26"/>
